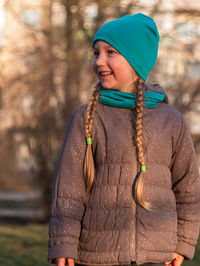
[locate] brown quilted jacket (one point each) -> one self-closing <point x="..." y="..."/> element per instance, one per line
<point x="108" y="227"/>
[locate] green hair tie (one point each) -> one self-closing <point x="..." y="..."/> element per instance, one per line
<point x="89" y="141"/>
<point x="143" y="168"/>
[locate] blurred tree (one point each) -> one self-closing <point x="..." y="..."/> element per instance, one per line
<point x="52" y="77"/>
<point x="54" y="72"/>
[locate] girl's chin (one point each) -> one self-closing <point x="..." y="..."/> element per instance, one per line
<point x="107" y="85"/>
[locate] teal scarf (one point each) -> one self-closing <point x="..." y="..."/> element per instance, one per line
<point x="128" y="100"/>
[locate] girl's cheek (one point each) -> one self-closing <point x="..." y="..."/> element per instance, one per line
<point x="94" y="66"/>
<point x="93" y="62"/>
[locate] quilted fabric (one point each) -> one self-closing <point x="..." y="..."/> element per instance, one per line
<point x="109" y="227"/>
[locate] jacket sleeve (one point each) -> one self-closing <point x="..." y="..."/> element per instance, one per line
<point x="186" y="187"/>
<point x="68" y="197"/>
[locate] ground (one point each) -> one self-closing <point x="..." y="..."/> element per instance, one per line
<point x="26" y="245"/>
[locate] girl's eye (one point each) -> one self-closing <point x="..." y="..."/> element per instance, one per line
<point x="96" y="53"/>
<point x="110" y="52"/>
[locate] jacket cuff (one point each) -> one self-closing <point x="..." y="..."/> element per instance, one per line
<point x="185" y="250"/>
<point x="62" y="251"/>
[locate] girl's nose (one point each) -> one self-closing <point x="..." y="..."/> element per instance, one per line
<point x="100" y="60"/>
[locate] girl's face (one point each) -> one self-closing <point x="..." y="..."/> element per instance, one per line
<point x="112" y="69"/>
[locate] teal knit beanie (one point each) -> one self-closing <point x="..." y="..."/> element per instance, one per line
<point x="135" y="37"/>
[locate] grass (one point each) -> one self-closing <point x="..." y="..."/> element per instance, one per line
<point x="26" y="245"/>
<point x="196" y="259"/>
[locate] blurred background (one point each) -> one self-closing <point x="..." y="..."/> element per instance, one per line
<point x="45" y="74"/>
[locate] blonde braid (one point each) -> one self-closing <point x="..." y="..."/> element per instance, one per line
<point x="89" y="170"/>
<point x="139" y="143"/>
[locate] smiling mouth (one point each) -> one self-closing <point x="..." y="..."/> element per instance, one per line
<point x="104" y="74"/>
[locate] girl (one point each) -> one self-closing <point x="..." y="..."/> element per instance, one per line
<point x="127" y="185"/>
